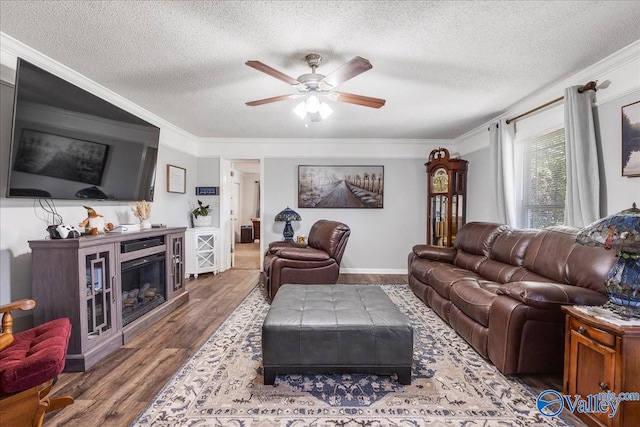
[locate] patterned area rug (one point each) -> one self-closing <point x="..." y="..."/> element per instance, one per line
<point x="222" y="385"/>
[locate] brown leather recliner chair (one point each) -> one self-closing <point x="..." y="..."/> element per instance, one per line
<point x="317" y="262"/>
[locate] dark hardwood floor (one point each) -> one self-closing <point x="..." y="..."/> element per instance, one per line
<point x="114" y="391"/>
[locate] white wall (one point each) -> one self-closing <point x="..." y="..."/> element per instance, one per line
<point x="480" y="196"/>
<point x="380" y="238"/>
<point x="207" y="175"/>
<point x="618" y="192"/>
<point x="248" y="197"/>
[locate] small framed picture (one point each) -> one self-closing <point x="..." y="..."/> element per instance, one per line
<point x="631" y="139"/>
<point x="176" y="179"/>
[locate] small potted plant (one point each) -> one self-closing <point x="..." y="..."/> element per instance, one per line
<point x="201" y="216"/>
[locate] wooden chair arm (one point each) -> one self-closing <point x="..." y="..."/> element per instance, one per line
<point x="23" y="304"/>
<point x="5" y="340"/>
<point x="6" y="336"/>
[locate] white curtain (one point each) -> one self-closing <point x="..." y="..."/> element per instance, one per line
<point x="582" y="202"/>
<point x="501" y="137"/>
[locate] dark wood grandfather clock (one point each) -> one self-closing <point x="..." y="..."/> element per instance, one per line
<point x="446" y="197"/>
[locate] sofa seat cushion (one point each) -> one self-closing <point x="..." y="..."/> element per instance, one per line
<point x="467" y="261"/>
<point x="422" y="268"/>
<point x="442" y="278"/>
<point x="276" y="246"/>
<point x="306" y="254"/>
<point x="474" y="298"/>
<point x="522" y="275"/>
<point x="35" y="356"/>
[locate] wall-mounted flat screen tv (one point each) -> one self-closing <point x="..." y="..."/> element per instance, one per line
<point x="70" y="144"/>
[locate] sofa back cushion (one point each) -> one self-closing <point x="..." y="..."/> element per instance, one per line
<point x="331" y="237"/>
<point x="506" y="255"/>
<point x="511" y="245"/>
<point x="588" y="266"/>
<point x="476" y="238"/>
<point x="473" y="243"/>
<point x="554" y="253"/>
<point x="549" y="250"/>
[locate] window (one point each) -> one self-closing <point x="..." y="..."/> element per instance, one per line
<point x="540" y="180"/>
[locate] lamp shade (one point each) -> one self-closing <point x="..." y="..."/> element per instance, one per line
<point x="288" y="214"/>
<point x="619" y="231"/>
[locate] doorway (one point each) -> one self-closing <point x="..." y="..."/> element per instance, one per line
<point x="241" y="228"/>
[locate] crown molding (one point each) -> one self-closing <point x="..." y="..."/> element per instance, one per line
<point x="317" y="147"/>
<point x="297" y="141"/>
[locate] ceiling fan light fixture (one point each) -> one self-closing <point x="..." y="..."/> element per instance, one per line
<point x="301" y="110"/>
<point x="324" y="110"/>
<point x="313" y="104"/>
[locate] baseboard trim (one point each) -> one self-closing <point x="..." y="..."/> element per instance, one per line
<point x="373" y="271"/>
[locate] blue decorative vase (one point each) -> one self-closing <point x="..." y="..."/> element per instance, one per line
<point x="623" y="280"/>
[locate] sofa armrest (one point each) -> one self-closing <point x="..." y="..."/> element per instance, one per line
<point x="276" y="246"/>
<point x="302" y="254"/>
<point x="435" y="253"/>
<point x="551" y="295"/>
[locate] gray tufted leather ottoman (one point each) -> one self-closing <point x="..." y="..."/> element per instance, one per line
<point x="335" y="329"/>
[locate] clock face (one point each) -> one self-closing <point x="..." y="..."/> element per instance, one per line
<point x="440" y="182"/>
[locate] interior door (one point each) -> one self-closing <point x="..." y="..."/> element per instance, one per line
<point x="229" y="227"/>
<point x="235" y="211"/>
<point x="235" y="226"/>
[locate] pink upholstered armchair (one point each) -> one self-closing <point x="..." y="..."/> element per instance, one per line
<point x="29" y="363"/>
<point x="318" y="262"/>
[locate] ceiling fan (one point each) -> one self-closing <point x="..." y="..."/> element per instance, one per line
<point x="313" y="86"/>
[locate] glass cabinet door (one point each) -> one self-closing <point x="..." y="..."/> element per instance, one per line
<point x="439" y="220"/>
<point x="177" y="263"/>
<point x="446" y="195"/>
<point x="205" y="251"/>
<point x="100" y="294"/>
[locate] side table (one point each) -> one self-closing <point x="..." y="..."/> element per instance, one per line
<point x="201" y="251"/>
<point x="601" y="356"/>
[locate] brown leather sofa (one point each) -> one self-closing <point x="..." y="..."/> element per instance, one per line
<point x="501" y="289"/>
<point x="317" y="262"/>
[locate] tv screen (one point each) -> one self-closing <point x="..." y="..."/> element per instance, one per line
<point x="70" y="144"/>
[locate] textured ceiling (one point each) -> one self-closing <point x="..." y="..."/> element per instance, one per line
<point x="444" y="67"/>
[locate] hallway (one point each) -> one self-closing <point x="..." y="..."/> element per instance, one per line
<point x="247" y="256"/>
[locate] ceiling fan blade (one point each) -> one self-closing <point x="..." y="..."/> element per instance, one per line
<point x="359" y="100"/>
<point x="272" y="72"/>
<point x="270" y="100"/>
<point x="347" y="71"/>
